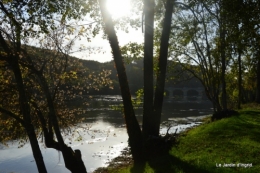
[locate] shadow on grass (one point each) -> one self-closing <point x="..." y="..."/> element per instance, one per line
<point x="250" y="123"/>
<point x="167" y="164"/>
<point x="245" y="124"/>
<point x="170" y="164"/>
<point x="250" y="115"/>
<point x="250" y="112"/>
<point x="138" y="168"/>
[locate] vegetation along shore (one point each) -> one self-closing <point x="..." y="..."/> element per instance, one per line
<point x="228" y="145"/>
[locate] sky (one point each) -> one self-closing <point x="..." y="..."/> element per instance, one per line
<point x="132" y="36"/>
<point x="117" y="8"/>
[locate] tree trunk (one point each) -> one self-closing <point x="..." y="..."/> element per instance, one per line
<point x="148" y="68"/>
<point x="36" y="149"/>
<point x="72" y="159"/>
<point x="257" y="99"/>
<point x="162" y="65"/>
<point x="239" y="80"/>
<point x="25" y="109"/>
<point x="223" y="58"/>
<point x="133" y="128"/>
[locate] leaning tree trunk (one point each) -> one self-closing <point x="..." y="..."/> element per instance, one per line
<point x="162" y="65"/>
<point x="12" y="59"/>
<point x="25" y="109"/>
<point x="72" y="159"/>
<point x="133" y="128"/>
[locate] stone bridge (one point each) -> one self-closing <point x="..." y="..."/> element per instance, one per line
<point x="186" y="94"/>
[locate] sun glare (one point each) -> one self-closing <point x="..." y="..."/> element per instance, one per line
<point x="119" y="8"/>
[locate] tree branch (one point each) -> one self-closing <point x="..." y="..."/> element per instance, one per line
<point x="16" y="117"/>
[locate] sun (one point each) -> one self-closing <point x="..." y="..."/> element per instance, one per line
<point x="118" y="8"/>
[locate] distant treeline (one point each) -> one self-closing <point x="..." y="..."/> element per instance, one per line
<point x="176" y="77"/>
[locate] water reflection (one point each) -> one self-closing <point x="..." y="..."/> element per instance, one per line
<point x="99" y="144"/>
<point x="100" y="138"/>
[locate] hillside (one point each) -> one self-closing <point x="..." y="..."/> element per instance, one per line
<point x="176" y="77"/>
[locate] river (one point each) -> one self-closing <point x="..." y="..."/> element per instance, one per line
<point x="101" y="137"/>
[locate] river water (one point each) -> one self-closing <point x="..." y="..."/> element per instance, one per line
<point x="101" y="137"/>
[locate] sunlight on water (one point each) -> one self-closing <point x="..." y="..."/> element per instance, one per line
<point x="96" y="151"/>
<point x="101" y="138"/>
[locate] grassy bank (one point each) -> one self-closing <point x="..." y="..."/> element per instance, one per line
<point x="228" y="141"/>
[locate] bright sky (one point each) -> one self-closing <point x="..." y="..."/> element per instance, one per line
<point x="117" y="8"/>
<point x="105" y="55"/>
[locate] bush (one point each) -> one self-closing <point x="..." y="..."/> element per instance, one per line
<point x="223" y="114"/>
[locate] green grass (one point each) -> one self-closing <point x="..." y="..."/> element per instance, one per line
<point x="231" y="140"/>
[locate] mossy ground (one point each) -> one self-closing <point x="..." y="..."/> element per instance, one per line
<point x="230" y="140"/>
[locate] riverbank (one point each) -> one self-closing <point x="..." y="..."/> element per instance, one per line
<point x="228" y="145"/>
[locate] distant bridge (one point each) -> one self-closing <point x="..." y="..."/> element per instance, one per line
<point x="186" y="93"/>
